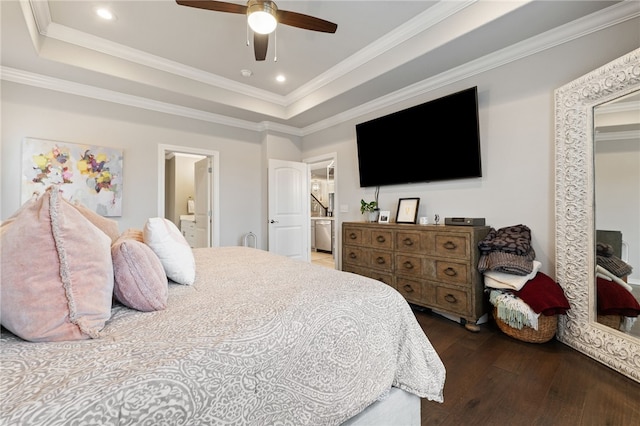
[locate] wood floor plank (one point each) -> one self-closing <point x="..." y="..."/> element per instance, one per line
<point x="494" y="379"/>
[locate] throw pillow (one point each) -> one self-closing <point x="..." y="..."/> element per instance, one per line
<point x="175" y="254"/>
<point x="108" y="226"/>
<point x="140" y="280"/>
<point x="56" y="271"/>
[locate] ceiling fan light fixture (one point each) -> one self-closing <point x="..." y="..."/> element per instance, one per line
<point x="261" y="16"/>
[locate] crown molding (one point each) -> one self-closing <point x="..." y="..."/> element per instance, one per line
<point x="418" y="24"/>
<point x="88" y="41"/>
<point x="611" y="16"/>
<point x="579" y="28"/>
<point x="92" y="92"/>
<point x="411" y="28"/>
<point x="618" y="136"/>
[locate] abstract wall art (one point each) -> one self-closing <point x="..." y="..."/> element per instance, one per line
<point x="91" y="175"/>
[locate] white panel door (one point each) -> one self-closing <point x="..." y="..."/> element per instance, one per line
<point x="202" y="178"/>
<point x="289" y="209"/>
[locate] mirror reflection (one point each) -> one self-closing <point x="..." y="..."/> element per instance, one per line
<point x="617" y="212"/>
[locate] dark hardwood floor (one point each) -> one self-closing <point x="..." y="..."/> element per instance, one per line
<point x="494" y="379"/>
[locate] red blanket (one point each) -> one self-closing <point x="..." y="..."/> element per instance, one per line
<point x="613" y="299"/>
<point x="544" y="295"/>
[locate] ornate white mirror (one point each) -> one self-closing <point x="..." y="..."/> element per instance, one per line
<point x="577" y="104"/>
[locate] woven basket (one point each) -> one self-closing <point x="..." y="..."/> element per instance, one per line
<point x="612" y="321"/>
<point x="547" y="326"/>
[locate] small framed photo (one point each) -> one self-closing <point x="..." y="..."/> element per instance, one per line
<point x="384" y="216"/>
<point x="407" y="210"/>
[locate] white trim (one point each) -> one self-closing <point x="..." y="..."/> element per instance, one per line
<point x="215" y="184"/>
<point x="612" y="15"/>
<point x="330" y="156"/>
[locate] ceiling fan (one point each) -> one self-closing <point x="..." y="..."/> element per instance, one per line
<point x="263" y="17"/>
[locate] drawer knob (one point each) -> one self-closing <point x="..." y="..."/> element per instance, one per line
<point x="353" y="236"/>
<point x="408" y="288"/>
<point x="380" y="239"/>
<point x="380" y="260"/>
<point x="352" y="255"/>
<point x="450" y="272"/>
<point x="449" y="245"/>
<point x="408" y="265"/>
<point x="450" y="298"/>
<point x="408" y="242"/>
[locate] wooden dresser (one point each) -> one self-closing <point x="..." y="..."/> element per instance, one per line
<point x="433" y="266"/>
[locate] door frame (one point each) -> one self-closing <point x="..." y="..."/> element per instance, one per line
<point x="329" y="156"/>
<point x="214" y="156"/>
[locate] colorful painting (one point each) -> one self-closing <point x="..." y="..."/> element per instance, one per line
<point x="89" y="174"/>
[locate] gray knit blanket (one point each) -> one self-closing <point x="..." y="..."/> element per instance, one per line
<point x="507" y="250"/>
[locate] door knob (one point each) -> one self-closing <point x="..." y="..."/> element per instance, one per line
<point x="273" y="221"/>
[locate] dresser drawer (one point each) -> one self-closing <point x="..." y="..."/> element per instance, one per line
<point x="386" y="278"/>
<point x="452" y="300"/>
<point x="409" y="265"/>
<point x="353" y="236"/>
<point x="433" y="266"/>
<point x="409" y="242"/>
<point x="381" y="239"/>
<point x="447" y="245"/>
<point x="452" y="272"/>
<point x="355" y="256"/>
<point x="381" y="260"/>
<point x="410" y="289"/>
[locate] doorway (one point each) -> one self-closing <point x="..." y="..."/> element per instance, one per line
<point x="323" y="209"/>
<point x="211" y="203"/>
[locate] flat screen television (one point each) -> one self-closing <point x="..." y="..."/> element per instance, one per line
<point x="437" y="140"/>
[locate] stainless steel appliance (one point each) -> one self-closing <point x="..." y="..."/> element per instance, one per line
<point x="324" y="235"/>
<point x="330" y="208"/>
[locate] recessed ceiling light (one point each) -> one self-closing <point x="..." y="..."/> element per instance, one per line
<point x="246" y="73"/>
<point x="281" y="78"/>
<point x="105" y="13"/>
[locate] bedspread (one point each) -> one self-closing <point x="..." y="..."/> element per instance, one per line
<point x="259" y="339"/>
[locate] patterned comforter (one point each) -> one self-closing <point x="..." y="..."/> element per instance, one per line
<point x="259" y="339"/>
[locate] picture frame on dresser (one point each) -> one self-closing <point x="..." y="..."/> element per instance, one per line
<point x="407" y="210"/>
<point x="384" y="216"/>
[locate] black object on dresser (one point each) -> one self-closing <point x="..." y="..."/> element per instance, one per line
<point x="431" y="266"/>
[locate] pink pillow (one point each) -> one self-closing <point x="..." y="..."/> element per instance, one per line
<point x="108" y="226"/>
<point x="134" y="234"/>
<point x="56" y="271"/>
<point x="140" y="281"/>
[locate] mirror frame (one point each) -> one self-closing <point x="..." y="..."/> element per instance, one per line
<point x="575" y="217"/>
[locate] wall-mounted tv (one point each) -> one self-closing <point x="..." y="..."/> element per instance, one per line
<point x="437" y="140"/>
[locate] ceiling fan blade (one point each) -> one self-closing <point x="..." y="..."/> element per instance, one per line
<point x="260" y="44"/>
<point x="306" y="22"/>
<point x="216" y="6"/>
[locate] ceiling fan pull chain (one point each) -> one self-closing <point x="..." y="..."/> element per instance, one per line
<point x="247" y="33"/>
<point x="275" y="45"/>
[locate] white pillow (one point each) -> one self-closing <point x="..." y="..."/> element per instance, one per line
<point x="166" y="241"/>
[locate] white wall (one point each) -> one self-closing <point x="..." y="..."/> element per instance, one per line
<point x="516" y="107"/>
<point x="516" y="124"/>
<point x="33" y="112"/>
<point x="617" y="200"/>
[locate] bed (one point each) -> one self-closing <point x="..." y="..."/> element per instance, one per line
<point x="256" y="339"/>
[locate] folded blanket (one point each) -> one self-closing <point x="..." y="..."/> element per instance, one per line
<point x="615" y="300"/>
<point x="615" y="265"/>
<point x="514" y="239"/>
<point x="509" y="263"/>
<point x="512" y="310"/>
<point x="495" y="279"/>
<point x="604" y="249"/>
<point x="544" y="295"/>
<point x="603" y="273"/>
